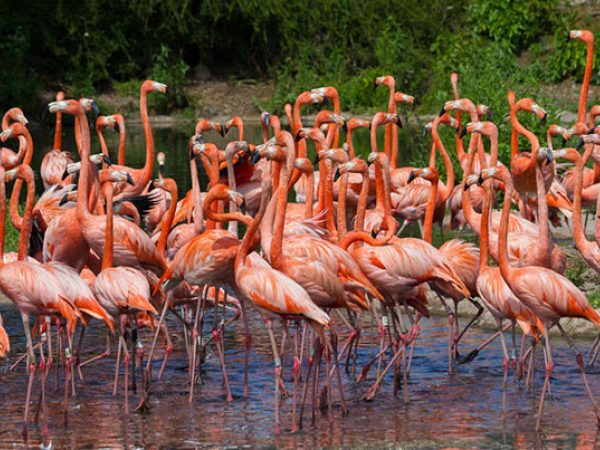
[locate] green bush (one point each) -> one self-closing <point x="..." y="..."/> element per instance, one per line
<point x="170" y="70"/>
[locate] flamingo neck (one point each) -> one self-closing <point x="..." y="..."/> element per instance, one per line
<point x="107" y="257"/>
<point x="446" y="189"/>
<point x="122" y="139"/>
<point x="587" y="76"/>
<point x="470" y="215"/>
<point x="2" y="213"/>
<point x="161" y="245"/>
<point x="58" y="131"/>
<point x="27" y="175"/>
<point x="149" y="163"/>
<point x="429" y="212"/>
<point x="578" y="231"/>
<point x="484" y="235"/>
<point x="15" y="218"/>
<point x="83" y="130"/>
<point x="196" y="198"/>
<point x="249" y="238"/>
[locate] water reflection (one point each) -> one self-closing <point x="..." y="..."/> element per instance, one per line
<point x="464" y="410"/>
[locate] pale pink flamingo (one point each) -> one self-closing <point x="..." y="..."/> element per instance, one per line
<point x="549" y="295"/>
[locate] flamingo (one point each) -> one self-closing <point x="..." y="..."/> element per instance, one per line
<point x="8" y="158"/>
<point x="273" y="293"/>
<point x="133" y="247"/>
<point x="142" y="176"/>
<point x="4" y="340"/>
<point x="548" y="294"/>
<point x="124" y="291"/>
<point x="33" y="291"/>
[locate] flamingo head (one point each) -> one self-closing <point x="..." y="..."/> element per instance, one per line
<point x="427" y="173"/>
<point x="154" y="86"/>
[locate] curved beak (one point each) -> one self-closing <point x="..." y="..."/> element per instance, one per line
<point x="411" y="176"/>
<point x="462" y="133"/>
<point x="466" y="186"/>
<point x="64" y="199"/>
<point x="255" y="157"/>
<point x="95" y="109"/>
<point x="267" y="119"/>
<point x="243" y="207"/>
<point x="106" y="159"/>
<point x="580" y="144"/>
<point x="337" y="175"/>
<point x="298" y="137"/>
<point x="480" y="180"/>
<point x="489" y="113"/>
<point x="223" y="130"/>
<point x="442" y="112"/>
<point x="544" y="119"/>
<point x="130" y="180"/>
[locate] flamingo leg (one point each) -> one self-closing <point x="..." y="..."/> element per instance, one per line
<point x="308" y="370"/>
<point x="154" y="340"/>
<point x="116" y="379"/>
<point x="549" y="367"/>
<point x="277" y="362"/>
<point x="78" y="350"/>
<point x="192" y="368"/>
<point x="580" y="364"/>
<point x="296" y="373"/>
<point x="471" y="322"/>
<point x="221" y="353"/>
<point x="247" y="345"/>
<point x="168" y="351"/>
<point x="104" y="354"/>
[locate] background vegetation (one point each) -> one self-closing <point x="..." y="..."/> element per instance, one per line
<point x="93" y="46"/>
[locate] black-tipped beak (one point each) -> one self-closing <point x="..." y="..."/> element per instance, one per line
<point x="161" y="170"/>
<point x="243" y="207"/>
<point x="130" y="180"/>
<point x="544" y="119"/>
<point x="95" y="109"/>
<point x="222" y="131"/>
<point x="490" y="114"/>
<point x="192" y="154"/>
<point x="255" y="158"/>
<point x="442" y="112"/>
<point x="462" y="133"/>
<point x="64" y="199"/>
<point x="580" y="144"/>
<point x="337" y="175"/>
<point x="199" y="139"/>
<point x="398" y="122"/>
<point x="168" y="91"/>
<point x="480" y="181"/>
<point x="316" y="159"/>
<point x="568" y="37"/>
<point x="345" y="127"/>
<point x="564" y="141"/>
<point x="152" y="186"/>
<point x="373" y="233"/>
<point x="106" y="159"/>
<point x="298" y="137"/>
<point x="590" y="131"/>
<point x="65" y="174"/>
<point x="267" y="120"/>
<point x="411" y="176"/>
<point x="466" y="187"/>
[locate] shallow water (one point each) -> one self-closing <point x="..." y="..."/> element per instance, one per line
<point x="464" y="410"/>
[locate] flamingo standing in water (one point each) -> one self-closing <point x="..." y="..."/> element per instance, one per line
<point x="124" y="291"/>
<point x="32" y="289"/>
<point x="549" y="295"/>
<point x="273" y="293"/>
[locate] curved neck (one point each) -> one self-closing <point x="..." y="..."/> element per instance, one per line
<point x="470" y="215"/>
<point x="351" y="152"/>
<point x="103" y="146"/>
<point x="446" y="189"/>
<point x="149" y="163"/>
<point x="248" y="242"/>
<point x="107" y="258"/>
<point x="27" y="174"/>
<point x="168" y="222"/>
<point x="503" y="232"/>
<point x="587" y="76"/>
<point x="578" y="231"/>
<point x="83" y="131"/>
<point x="15" y="218"/>
<point x="276" y="254"/>
<point x="301" y="148"/>
<point x="341" y="213"/>
<point x="545" y="241"/>
<point x="222" y="217"/>
<point x="484" y="235"/>
<point x="429" y="212"/>
<point x="232" y="227"/>
<point x="122" y="139"/>
<point x="196" y="198"/>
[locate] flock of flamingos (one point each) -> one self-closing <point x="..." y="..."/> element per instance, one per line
<point x="107" y="242"/>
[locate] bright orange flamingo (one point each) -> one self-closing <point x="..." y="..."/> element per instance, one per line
<point x="273" y="293"/>
<point x="533" y="245"/>
<point x="463" y="257"/>
<point x="133" y="247"/>
<point x="142" y="176"/>
<point x="56" y="160"/>
<point x="495" y="293"/>
<point x="399" y="267"/>
<point x="124" y="291"/>
<point x="549" y="295"/>
<point x="33" y="291"/>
